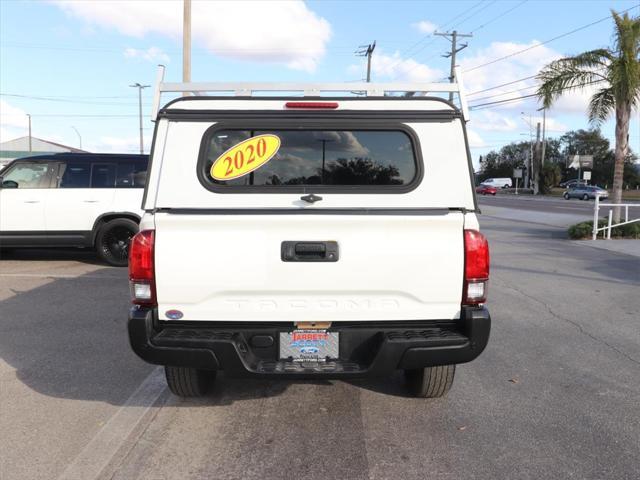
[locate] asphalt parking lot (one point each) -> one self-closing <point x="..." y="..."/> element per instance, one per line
<point x="555" y="395"/>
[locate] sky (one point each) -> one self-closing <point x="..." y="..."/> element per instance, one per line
<point x="70" y="64"/>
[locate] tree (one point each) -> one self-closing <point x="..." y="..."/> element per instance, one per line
<point x="617" y="73"/>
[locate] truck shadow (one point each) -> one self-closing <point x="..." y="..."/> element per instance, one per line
<point x="83" y="255"/>
<point x="68" y="339"/>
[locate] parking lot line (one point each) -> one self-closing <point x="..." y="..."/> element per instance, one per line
<point x="99" y="452"/>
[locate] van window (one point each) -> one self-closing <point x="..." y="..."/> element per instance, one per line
<point x="131" y="175"/>
<point x="29" y="175"/>
<point x="75" y="175"/>
<point x="103" y="175"/>
<point x="349" y="158"/>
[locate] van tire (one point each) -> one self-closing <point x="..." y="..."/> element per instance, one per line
<point x="189" y="382"/>
<point x="430" y="382"/>
<point x="507" y="186"/>
<point x="112" y="241"/>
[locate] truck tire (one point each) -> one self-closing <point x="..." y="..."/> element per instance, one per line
<point x="112" y="241"/>
<point x="430" y="382"/>
<point x="188" y="382"/>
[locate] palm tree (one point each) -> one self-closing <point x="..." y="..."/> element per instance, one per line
<point x="616" y="72"/>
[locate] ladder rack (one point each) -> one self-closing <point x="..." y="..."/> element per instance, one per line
<point x="247" y="89"/>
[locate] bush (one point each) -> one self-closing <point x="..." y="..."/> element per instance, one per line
<point x="584" y="230"/>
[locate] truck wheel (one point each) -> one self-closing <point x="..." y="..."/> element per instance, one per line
<point x="112" y="242"/>
<point x="188" y="382"/>
<point x="430" y="382"/>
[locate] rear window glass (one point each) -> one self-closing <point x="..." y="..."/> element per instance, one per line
<point x="347" y="158"/>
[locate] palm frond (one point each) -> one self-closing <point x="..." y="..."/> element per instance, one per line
<point x="564" y="74"/>
<point x="601" y="105"/>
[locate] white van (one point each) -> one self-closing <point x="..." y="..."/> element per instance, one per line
<point x="288" y="237"/>
<point x="73" y="200"/>
<point x="498" y="182"/>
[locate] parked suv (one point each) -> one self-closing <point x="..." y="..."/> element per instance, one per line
<point x="317" y="238"/>
<point x="73" y="200"/>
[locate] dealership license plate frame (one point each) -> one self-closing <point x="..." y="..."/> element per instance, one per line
<point x="309" y="345"/>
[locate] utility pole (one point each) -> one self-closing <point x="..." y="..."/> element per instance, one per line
<point x="536" y="163"/>
<point x="79" y="137"/>
<point x="454" y="49"/>
<point x="140" y="87"/>
<point x="186" y="43"/>
<point x="544" y="129"/>
<point x="29" y="115"/>
<point x="367" y="51"/>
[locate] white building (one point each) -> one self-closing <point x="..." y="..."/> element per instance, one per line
<point x="19" y="147"/>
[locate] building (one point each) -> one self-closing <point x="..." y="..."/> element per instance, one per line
<point x="19" y="147"/>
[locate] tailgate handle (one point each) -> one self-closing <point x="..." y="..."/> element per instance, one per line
<point x="296" y="251"/>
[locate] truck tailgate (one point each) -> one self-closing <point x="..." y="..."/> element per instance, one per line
<point x="228" y="267"/>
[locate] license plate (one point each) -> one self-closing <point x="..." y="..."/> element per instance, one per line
<point x="309" y="345"/>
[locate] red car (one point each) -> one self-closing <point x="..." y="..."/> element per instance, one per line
<point x="486" y="189"/>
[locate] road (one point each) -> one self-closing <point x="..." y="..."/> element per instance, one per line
<point x="555" y="395"/>
<point x="546" y="204"/>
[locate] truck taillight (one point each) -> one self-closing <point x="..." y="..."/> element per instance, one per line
<point x="312" y="105"/>
<point x="476" y="268"/>
<point x="141" y="271"/>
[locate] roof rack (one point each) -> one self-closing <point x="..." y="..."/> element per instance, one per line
<point x="247" y="89"/>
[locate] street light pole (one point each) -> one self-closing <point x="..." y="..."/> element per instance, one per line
<point x="29" y="115"/>
<point x="140" y="87"/>
<point x="79" y="137"/>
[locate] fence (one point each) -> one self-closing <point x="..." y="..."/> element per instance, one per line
<point x="609" y="226"/>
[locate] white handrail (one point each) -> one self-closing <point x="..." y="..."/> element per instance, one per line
<point x="609" y="226"/>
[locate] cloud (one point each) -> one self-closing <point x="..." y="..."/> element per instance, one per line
<point x="285" y="32"/>
<point x="475" y="140"/>
<point x="152" y="54"/>
<point x="494" y="122"/>
<point x="14" y="122"/>
<point x="394" y="67"/>
<point x="11" y="116"/>
<point x="109" y="144"/>
<point x="425" y="26"/>
<point x="510" y="70"/>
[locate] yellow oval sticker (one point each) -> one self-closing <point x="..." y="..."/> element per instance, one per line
<point x="245" y="157"/>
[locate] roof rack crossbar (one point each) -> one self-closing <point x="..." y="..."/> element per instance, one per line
<point x="248" y="89"/>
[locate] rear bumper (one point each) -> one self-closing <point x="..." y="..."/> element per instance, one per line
<point x="366" y="348"/>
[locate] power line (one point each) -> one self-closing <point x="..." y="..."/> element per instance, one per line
<point x="499" y="16"/>
<point x="430" y="35"/>
<point x="543" y="43"/>
<point x="514" y="99"/>
<point x="66" y="100"/>
<point x="486" y="5"/>
<point x="501" y="85"/>
<point x="505" y="93"/>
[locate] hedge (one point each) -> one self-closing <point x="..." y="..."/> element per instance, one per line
<point x="583" y="230"/>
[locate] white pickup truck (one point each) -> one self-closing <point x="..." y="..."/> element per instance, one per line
<point x="311" y="236"/>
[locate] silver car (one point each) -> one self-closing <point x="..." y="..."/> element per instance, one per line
<point x="586" y="192"/>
